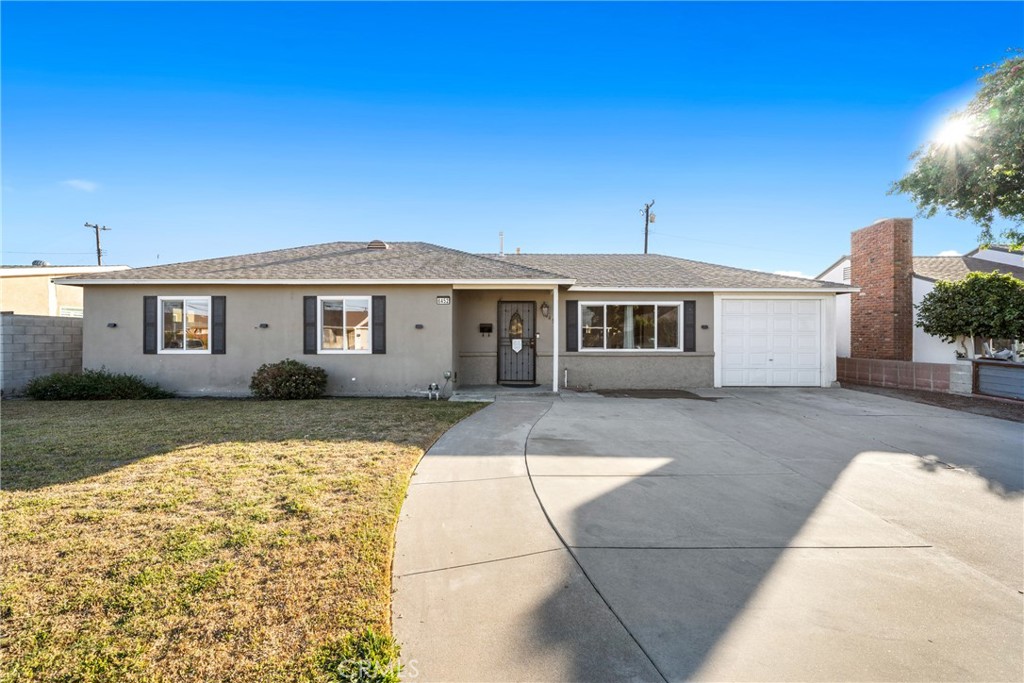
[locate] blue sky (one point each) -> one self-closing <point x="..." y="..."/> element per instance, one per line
<point x="764" y="132"/>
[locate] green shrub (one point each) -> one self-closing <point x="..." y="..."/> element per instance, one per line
<point x="288" y="379"/>
<point x="367" y="657"/>
<point x="92" y="385"/>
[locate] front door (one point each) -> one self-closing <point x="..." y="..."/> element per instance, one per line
<point x="517" y="343"/>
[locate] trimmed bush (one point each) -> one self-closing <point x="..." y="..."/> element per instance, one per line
<point x="287" y="380"/>
<point x="92" y="385"/>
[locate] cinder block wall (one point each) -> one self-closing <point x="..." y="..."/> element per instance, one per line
<point x="34" y="345"/>
<point x="882" y="313"/>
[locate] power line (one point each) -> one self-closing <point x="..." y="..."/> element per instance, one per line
<point x="51" y="253"/>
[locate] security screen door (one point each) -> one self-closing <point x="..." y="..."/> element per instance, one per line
<point x="517" y="352"/>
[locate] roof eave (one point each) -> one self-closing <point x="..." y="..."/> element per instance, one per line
<point x="490" y="282"/>
<point x="839" y="289"/>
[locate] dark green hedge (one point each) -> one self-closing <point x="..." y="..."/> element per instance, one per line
<point x="92" y="385"/>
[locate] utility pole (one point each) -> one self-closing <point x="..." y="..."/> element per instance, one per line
<point x="648" y="219"/>
<point x="99" y="252"/>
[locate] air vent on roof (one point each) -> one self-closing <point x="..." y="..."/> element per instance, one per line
<point x="378" y="245"/>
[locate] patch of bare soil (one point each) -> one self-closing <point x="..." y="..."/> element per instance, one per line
<point x="1003" y="409"/>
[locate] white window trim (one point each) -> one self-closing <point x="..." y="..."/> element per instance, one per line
<point x="160" y="325"/>
<point x="320" y="324"/>
<point x="605" y="349"/>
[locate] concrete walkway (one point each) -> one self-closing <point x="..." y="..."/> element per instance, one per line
<point x="736" y="535"/>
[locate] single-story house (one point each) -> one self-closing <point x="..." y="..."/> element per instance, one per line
<point x="879" y="320"/>
<point x="390" y="319"/>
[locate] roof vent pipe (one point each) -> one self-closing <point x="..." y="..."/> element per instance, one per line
<point x="501" y="244"/>
<point x="378" y="245"/>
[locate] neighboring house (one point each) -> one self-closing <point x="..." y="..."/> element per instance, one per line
<point x="389" y="319"/>
<point x="31" y="290"/>
<point x="878" y="322"/>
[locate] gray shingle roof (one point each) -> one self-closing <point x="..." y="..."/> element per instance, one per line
<point x="956" y="267"/>
<point x="633" y="271"/>
<point x="340" y="261"/>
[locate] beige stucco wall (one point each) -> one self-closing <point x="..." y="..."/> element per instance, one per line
<point x="620" y="369"/>
<point x="414" y="357"/>
<point x="32" y="295"/>
<point x="450" y="340"/>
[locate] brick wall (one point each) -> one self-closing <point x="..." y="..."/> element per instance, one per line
<point x="882" y="314"/>
<point x="34" y="345"/>
<point x="896" y="373"/>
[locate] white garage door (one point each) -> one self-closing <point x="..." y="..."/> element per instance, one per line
<point x="771" y="343"/>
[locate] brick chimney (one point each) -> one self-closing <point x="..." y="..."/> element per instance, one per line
<point x="882" y="314"/>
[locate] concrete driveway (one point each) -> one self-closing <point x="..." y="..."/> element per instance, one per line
<point x="735" y="535"/>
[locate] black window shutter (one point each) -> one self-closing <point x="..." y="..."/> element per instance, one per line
<point x="689" y="326"/>
<point x="149" y="324"/>
<point x="379" y="312"/>
<point x="309" y="324"/>
<point x="572" y="323"/>
<point x="218" y="330"/>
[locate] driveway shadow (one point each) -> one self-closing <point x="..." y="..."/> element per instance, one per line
<point x="791" y="536"/>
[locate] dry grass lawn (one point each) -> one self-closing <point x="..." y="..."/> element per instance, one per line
<point x="200" y="540"/>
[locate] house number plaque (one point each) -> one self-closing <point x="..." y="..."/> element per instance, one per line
<point x="444" y="301"/>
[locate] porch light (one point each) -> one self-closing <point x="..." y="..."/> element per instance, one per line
<point x="545" y="310"/>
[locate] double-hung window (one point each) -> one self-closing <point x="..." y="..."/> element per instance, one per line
<point x="636" y="326"/>
<point x="184" y="324"/>
<point x="344" y="324"/>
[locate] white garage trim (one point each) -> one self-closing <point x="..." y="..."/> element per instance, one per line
<point x="826" y="331"/>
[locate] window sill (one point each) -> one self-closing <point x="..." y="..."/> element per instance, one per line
<point x="342" y="352"/>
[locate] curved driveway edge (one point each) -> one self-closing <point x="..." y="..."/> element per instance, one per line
<point x="737" y="535"/>
<point x="484" y="589"/>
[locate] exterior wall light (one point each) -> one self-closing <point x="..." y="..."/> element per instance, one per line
<point x="545" y="310"/>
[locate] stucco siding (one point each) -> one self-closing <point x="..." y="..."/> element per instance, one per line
<point x="622" y="369"/>
<point x="638" y="371"/>
<point x="414" y="358"/>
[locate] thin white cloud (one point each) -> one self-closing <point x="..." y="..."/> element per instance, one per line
<point x="949" y="252"/>
<point x="83" y="185"/>
<point x="794" y="273"/>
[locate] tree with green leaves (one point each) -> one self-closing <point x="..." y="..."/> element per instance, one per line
<point x="974" y="168"/>
<point x="985" y="305"/>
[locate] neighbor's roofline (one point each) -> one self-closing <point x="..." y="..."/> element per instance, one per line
<point x="994" y="247"/>
<point x="57" y="270"/>
<point x="842" y="258"/>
